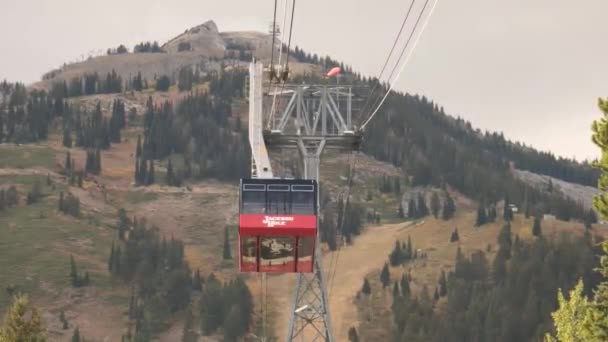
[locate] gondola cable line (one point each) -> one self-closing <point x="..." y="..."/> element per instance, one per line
<point x="403" y="50"/>
<point x="388" y="57"/>
<point x="284" y="71"/>
<point x="353" y="164"/>
<point x="404" y="63"/>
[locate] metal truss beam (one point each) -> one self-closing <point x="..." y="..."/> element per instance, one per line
<point x="310" y="121"/>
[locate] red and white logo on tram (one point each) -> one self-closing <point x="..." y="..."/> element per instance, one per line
<point x="272" y="221"/>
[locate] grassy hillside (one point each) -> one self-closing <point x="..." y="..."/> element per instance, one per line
<point x="413" y="141"/>
<point x="38" y="249"/>
<point x="432" y="237"/>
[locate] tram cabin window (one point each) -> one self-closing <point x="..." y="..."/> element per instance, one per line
<point x="278" y="199"/>
<point x="253" y="200"/>
<point x="303" y="200"/>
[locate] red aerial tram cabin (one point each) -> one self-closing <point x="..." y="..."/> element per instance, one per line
<point x="277" y="225"/>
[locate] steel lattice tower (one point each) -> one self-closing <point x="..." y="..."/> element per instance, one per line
<point x="310" y="122"/>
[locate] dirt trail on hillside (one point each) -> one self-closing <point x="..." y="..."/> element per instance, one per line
<point x="354" y="263"/>
<point x="30" y="171"/>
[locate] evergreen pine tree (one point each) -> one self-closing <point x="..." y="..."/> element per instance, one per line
<point x="507" y="213"/>
<point x="68" y="163"/>
<point x="226" y="254"/>
<point x="492" y="214"/>
<point x="443" y="284"/>
<point x="136" y="176"/>
<point x="188" y="335"/>
<point x="366" y="288"/>
<point x="405" y="286"/>
<point x="526" y="204"/>
<point x="536" y="231"/>
<point x="61" y="204"/>
<point x="143" y="172"/>
<point x="89" y="164"/>
<point x="132" y="304"/>
<point x="481" y="215"/>
<point x="573" y="319"/>
<point x="197" y="282"/>
<point x="73" y="272"/>
<point x="385" y="276"/>
<point x="2" y="200"/>
<point x="150" y="176"/>
<point x="596" y="322"/>
<point x="352" y="335"/>
<point x="505" y="241"/>
<point x="454" y="237"/>
<point x="449" y="207"/>
<point x="12" y="196"/>
<point x="76" y="335"/>
<point x="97" y="161"/>
<point x="435" y="204"/>
<point x="67" y="137"/>
<point x="396" y="292"/>
<point x="590" y="219"/>
<point x="111" y="259"/>
<point x="138" y="150"/>
<point x="22" y="322"/>
<point x="409" y="251"/>
<point x="117" y="262"/>
<point x="397" y="255"/>
<point x="63" y="320"/>
<point x="411" y="209"/>
<point x="170" y="177"/>
<point x="421" y="208"/>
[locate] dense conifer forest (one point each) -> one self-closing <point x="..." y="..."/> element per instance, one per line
<point x="163" y="285"/>
<point x="430" y="148"/>
<point x="520" y="283"/>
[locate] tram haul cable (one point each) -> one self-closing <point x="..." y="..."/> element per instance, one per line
<point x="407" y="43"/>
<point x="272" y="45"/>
<point x="284" y="71"/>
<point x="345" y="203"/>
<point x="388" y="57"/>
<point x="403" y="64"/>
<point x="293" y="10"/>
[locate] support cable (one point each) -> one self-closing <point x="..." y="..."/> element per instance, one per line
<point x="293" y="10"/>
<point x="404" y="49"/>
<point x="265" y="279"/>
<point x="346" y="201"/>
<point x="388" y="57"/>
<point x="274" y="97"/>
<point x="274" y="34"/>
<point x="392" y="84"/>
<point x="285" y="72"/>
<point x="262" y="312"/>
<point x="283" y="29"/>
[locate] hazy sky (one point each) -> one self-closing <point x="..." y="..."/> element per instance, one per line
<point x="530" y="68"/>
